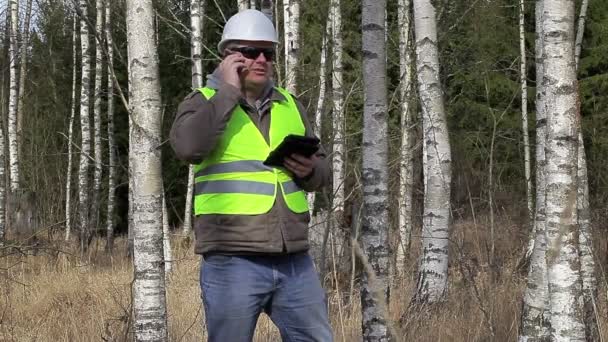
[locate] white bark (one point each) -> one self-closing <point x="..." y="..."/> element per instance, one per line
<point x="68" y="182"/>
<point x="337" y="205"/>
<point x="167" y="254"/>
<point x="2" y="179"/>
<point x="583" y="212"/>
<point x="560" y="84"/>
<point x="146" y="177"/>
<point x="243" y="4"/>
<point x="99" y="7"/>
<point x="433" y="272"/>
<point x="406" y="170"/>
<point x="375" y="223"/>
<point x="13" y="99"/>
<point x="318" y="221"/>
<point x="197" y="12"/>
<point x="535" y="312"/>
<point x="266" y="8"/>
<point x="580" y="32"/>
<point x="85" y="129"/>
<point x="252" y="4"/>
<point x="22" y="72"/>
<point x="524" y="109"/>
<point x="291" y="21"/>
<point x="111" y="147"/>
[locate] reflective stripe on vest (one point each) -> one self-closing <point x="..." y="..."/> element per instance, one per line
<point x="233" y="178"/>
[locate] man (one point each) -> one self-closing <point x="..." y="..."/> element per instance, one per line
<point x="251" y="220"/>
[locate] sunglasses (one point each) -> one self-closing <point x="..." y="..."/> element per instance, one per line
<point x="253" y="52"/>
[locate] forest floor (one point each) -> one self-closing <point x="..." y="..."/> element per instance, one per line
<point x="48" y="293"/>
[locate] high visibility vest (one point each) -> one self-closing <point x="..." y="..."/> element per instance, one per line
<point x="233" y="179"/>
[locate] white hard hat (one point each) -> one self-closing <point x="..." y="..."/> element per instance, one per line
<point x="249" y="24"/>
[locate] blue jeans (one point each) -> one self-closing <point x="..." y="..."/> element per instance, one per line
<point x="236" y="288"/>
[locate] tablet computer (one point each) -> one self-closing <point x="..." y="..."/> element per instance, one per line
<point x="292" y="144"/>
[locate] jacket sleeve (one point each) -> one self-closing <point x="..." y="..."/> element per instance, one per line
<point x="199" y="123"/>
<point x="321" y="174"/>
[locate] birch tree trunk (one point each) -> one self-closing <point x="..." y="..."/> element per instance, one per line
<point x="243" y="4"/>
<point x="318" y="220"/>
<point x="374" y="230"/>
<point x="252" y="4"/>
<point x="197" y="11"/>
<point x="2" y="178"/>
<point x="583" y="213"/>
<point x="145" y="102"/>
<point x="406" y="170"/>
<point x="111" y="147"/>
<point x="167" y="254"/>
<point x="524" y="109"/>
<point x="291" y="21"/>
<point x="535" y="321"/>
<point x="68" y="182"/>
<point x="580" y="31"/>
<point x="338" y="115"/>
<point x="85" y="129"/>
<point x="99" y="7"/>
<point x="433" y="271"/>
<point x="22" y="72"/>
<point x="13" y="99"/>
<point x="560" y="84"/>
<point x="266" y="8"/>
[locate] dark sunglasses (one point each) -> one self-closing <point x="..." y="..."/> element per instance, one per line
<point x="253" y="52"/>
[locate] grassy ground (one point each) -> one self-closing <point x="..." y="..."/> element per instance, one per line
<point x="49" y="294"/>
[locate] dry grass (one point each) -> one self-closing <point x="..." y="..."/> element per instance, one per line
<point x="56" y="296"/>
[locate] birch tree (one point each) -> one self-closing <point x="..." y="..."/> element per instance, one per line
<point x="338" y="115"/>
<point x="433" y="271"/>
<point x="560" y="84"/>
<point x="535" y="310"/>
<point x="406" y="170"/>
<point x="583" y="211"/>
<point x="68" y="182"/>
<point x="580" y="31"/>
<point x="111" y="146"/>
<point x="243" y="4"/>
<point x="197" y="12"/>
<point x="22" y="71"/>
<point x="374" y="232"/>
<point x="266" y="8"/>
<point x="291" y="21"/>
<point x="167" y="254"/>
<point x="85" y="129"/>
<point x="98" y="93"/>
<point x="13" y="99"/>
<point x="145" y="108"/>
<point x="524" y="109"/>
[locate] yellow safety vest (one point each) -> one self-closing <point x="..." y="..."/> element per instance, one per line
<point x="233" y="179"/>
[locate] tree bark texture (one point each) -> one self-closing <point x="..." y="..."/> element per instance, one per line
<point x="374" y="230"/>
<point x="406" y="170"/>
<point x="112" y="160"/>
<point x="85" y="129"/>
<point x="98" y="93"/>
<point x="145" y="102"/>
<point x="22" y="71"/>
<point x="338" y="152"/>
<point x="580" y="32"/>
<point x="243" y="4"/>
<point x="291" y="21"/>
<point x="433" y="271"/>
<point x="13" y="159"/>
<point x="68" y="182"/>
<point x="266" y="8"/>
<point x="524" y="109"/>
<point x="560" y="84"/>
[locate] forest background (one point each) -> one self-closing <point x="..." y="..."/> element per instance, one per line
<point x="479" y="58"/>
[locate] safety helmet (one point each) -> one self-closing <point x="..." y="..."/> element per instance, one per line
<point x="249" y="24"/>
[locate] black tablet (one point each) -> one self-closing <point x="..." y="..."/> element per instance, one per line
<point x="292" y="144"/>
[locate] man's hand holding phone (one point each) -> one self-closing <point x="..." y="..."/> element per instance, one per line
<point x="231" y="67"/>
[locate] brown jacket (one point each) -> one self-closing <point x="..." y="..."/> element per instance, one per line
<point x="198" y="125"/>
